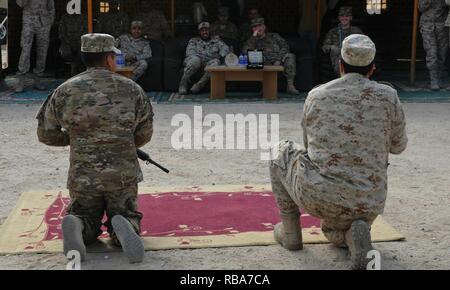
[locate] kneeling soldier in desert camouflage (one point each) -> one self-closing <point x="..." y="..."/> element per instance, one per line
<point x="104" y="117"/>
<point x="350" y="125"/>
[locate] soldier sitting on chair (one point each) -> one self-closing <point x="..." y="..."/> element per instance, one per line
<point x="202" y="51"/>
<point x="135" y="49"/>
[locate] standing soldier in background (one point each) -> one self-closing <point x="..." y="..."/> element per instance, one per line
<point x="223" y="27"/>
<point x="71" y="28"/>
<point x="37" y="20"/>
<point x="275" y="50"/>
<point x="245" y="31"/>
<point x="114" y="22"/>
<point x="135" y="49"/>
<point x="350" y="125"/>
<point x="435" y="38"/>
<point x="332" y="43"/>
<point x="103" y="117"/>
<point x="202" y="51"/>
<point x="154" y="21"/>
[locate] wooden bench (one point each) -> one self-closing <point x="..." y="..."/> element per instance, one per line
<point x="221" y="74"/>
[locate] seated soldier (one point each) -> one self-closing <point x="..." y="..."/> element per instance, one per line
<point x="275" y="50"/>
<point x="223" y="27"/>
<point x="136" y="50"/>
<point x="114" y="22"/>
<point x="154" y="21"/>
<point x="350" y="125"/>
<point x="71" y="28"/>
<point x="333" y="40"/>
<point x="202" y="51"/>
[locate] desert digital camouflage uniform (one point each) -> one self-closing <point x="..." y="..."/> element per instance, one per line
<point x="201" y="53"/>
<point x="37" y="20"/>
<point x="104" y="117"/>
<point x="332" y="44"/>
<point x="435" y="36"/>
<point x="113" y="23"/>
<point x="71" y="28"/>
<point x="140" y="48"/>
<point x="275" y="49"/>
<point x="155" y="24"/>
<point x="350" y="125"/>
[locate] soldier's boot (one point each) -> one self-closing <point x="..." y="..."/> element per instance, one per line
<point x="184" y="83"/>
<point x="3" y="85"/>
<point x="37" y="83"/>
<point x="291" y="89"/>
<point x="130" y="241"/>
<point x="20" y="84"/>
<point x="434" y="80"/>
<point x="288" y="233"/>
<point x="72" y="230"/>
<point x="359" y="243"/>
<point x="197" y="88"/>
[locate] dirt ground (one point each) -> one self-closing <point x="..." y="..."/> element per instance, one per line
<point x="418" y="200"/>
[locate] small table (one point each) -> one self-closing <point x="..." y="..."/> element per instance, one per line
<point x="268" y="76"/>
<point x="125" y="71"/>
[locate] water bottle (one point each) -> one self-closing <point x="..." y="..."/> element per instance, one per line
<point x="245" y="59"/>
<point x="241" y="59"/>
<point x="120" y="60"/>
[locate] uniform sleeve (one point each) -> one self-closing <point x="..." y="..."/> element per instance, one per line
<point x="49" y="129"/>
<point x="304" y="123"/>
<point x="399" y="139"/>
<point x="424" y="5"/>
<point x="146" y="54"/>
<point x="144" y="121"/>
<point x="224" y="49"/>
<point x="283" y="45"/>
<point x="190" y="50"/>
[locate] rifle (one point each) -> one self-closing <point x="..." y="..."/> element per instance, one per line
<point x="145" y="157"/>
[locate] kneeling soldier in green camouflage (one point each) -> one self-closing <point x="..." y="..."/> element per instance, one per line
<point x="104" y="117"/>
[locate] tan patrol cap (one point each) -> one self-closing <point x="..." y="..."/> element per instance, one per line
<point x="358" y="50"/>
<point x="97" y="42"/>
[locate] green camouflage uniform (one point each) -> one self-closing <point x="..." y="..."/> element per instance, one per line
<point x="140" y="48"/>
<point x="225" y="30"/>
<point x="350" y="126"/>
<point x="104" y="117"/>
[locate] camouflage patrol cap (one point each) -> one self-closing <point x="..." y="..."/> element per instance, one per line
<point x="97" y="42"/>
<point x="203" y="25"/>
<point x="257" y="21"/>
<point x="224" y="11"/>
<point x="136" y="23"/>
<point x="358" y="50"/>
<point x="346" y="11"/>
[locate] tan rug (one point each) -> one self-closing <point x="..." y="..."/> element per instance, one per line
<point x="174" y="218"/>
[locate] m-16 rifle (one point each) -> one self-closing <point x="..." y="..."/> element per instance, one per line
<point x="145" y="157"/>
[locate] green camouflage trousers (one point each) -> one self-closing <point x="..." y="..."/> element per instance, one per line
<point x="293" y="177"/>
<point x="435" y="43"/>
<point x="91" y="208"/>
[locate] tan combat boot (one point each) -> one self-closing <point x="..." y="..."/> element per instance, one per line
<point x="20" y="84"/>
<point x="359" y="243"/>
<point x="291" y="89"/>
<point x="37" y="83"/>
<point x="288" y="233"/>
<point x="131" y="242"/>
<point x="434" y="80"/>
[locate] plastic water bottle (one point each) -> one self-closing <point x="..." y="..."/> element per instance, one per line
<point x="241" y="59"/>
<point x="245" y="59"/>
<point x="120" y="60"/>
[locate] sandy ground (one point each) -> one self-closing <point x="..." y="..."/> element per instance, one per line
<point x="418" y="201"/>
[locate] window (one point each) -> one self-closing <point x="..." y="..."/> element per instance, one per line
<point x="104" y="7"/>
<point x="376" y="6"/>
